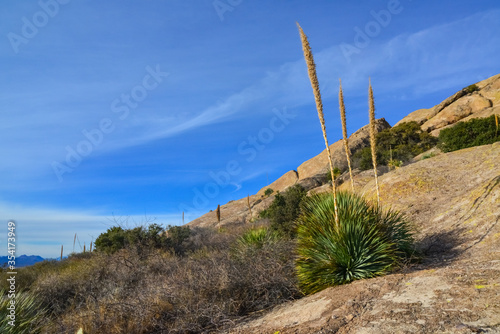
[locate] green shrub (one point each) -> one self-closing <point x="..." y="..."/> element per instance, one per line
<point x="268" y="191"/>
<point x="336" y="173"/>
<point x="471" y="88"/>
<point x="204" y="291"/>
<point x="257" y="238"/>
<point x="366" y="243"/>
<point x="116" y="238"/>
<point x="29" y="313"/>
<point x="400" y="143"/>
<point x="176" y="235"/>
<point x="475" y="132"/>
<point x="428" y="156"/>
<point x="284" y="209"/>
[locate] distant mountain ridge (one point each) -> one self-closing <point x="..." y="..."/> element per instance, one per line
<point x="23" y="260"/>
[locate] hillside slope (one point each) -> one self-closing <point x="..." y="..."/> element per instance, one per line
<point x="454" y="201"/>
<point x="482" y="101"/>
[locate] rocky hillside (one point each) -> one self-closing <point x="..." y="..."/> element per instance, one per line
<point x="454" y="201"/>
<point x="479" y="100"/>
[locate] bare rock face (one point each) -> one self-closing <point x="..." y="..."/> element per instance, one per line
<point x="483" y="113"/>
<point x="358" y="140"/>
<point x="420" y="116"/>
<point x="234" y="212"/>
<point x="286" y="180"/>
<point x="454" y="201"/>
<point x="461" y="106"/>
<point x="457" y="111"/>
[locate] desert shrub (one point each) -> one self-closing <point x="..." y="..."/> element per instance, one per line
<point x="367" y="241"/>
<point x="336" y="173"/>
<point x="26" y="276"/>
<point x="257" y="238"/>
<point x="428" y="156"/>
<point x="475" y="132"/>
<point x="104" y="294"/>
<point x="71" y="285"/>
<point x="144" y="238"/>
<point x="284" y="209"/>
<point x="403" y="142"/>
<point x="29" y="313"/>
<point x="268" y="192"/>
<point x="212" y="290"/>
<point x="471" y="88"/>
<point x="112" y="240"/>
<point x="217" y="280"/>
<point x="176" y="236"/>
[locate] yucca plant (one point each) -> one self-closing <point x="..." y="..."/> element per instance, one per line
<point x="257" y="237"/>
<point x="366" y="243"/>
<point x="29" y="314"/>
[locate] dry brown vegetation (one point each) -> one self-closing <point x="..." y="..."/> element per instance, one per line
<point x="218" y="281"/>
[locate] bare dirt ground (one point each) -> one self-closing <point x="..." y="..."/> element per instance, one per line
<point x="454" y="201"/>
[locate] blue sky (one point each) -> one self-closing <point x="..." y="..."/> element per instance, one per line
<point x="134" y="111"/>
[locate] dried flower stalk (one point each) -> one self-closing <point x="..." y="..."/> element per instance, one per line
<point x="344" y="132"/>
<point x="311" y="70"/>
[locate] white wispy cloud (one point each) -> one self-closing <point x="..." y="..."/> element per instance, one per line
<point x="421" y="62"/>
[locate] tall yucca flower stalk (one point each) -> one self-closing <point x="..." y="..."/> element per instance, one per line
<point x="249" y="207"/>
<point x="61" y="252"/>
<point x="373" y="142"/>
<point x="217" y="213"/>
<point x="311" y="70"/>
<point x="344" y="132"/>
<point x="496" y="123"/>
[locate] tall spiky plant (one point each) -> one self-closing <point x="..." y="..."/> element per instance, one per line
<point x="344" y="132"/>
<point x="496" y="123"/>
<point x="249" y="207"/>
<point x="373" y="142"/>
<point x="217" y="213"/>
<point x="311" y="70"/>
